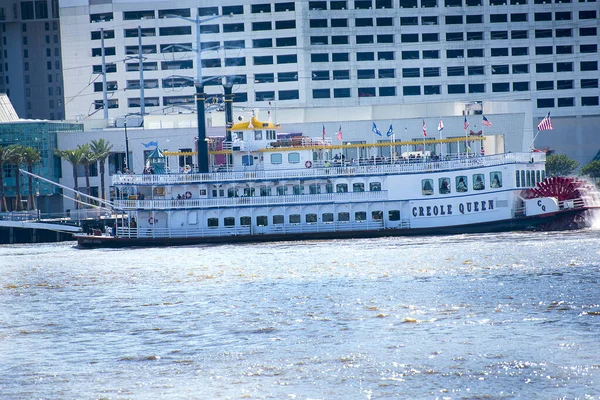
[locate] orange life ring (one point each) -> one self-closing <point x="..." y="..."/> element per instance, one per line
<point x="308" y="164"/>
<point x="151" y="220"/>
<point x="188" y="195"/>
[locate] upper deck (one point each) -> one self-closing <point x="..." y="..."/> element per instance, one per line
<point x="383" y="167"/>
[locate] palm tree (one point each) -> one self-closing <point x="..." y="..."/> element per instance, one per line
<point x="31" y="156"/>
<point x="101" y="150"/>
<point x="15" y="158"/>
<point x="74" y="157"/>
<point x="87" y="159"/>
<point x="4" y="154"/>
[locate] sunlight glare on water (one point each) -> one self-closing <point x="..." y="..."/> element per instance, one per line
<point x="494" y="316"/>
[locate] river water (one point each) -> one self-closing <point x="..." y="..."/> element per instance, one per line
<point x="498" y="316"/>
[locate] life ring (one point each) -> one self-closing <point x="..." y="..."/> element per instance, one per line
<point x="151" y="220"/>
<point x="188" y="195"/>
<point x="308" y="164"/>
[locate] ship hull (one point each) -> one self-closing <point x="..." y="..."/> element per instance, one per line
<point x="563" y="220"/>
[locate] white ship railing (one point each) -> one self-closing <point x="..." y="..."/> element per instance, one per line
<point x="195" y="232"/>
<point x="398" y="166"/>
<point x="348" y="197"/>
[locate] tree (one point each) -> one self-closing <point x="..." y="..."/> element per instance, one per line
<point x="87" y="159"/>
<point x="560" y="165"/>
<point x="74" y="157"/>
<point x="4" y="155"/>
<point x="101" y="150"/>
<point x="592" y="169"/>
<point x="31" y="156"/>
<point x="15" y="158"/>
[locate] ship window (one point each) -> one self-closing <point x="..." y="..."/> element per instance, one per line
<point x="311" y="218"/>
<point x="394" y="215"/>
<point x="265" y="191"/>
<point x="295" y="219"/>
<point x="537" y="176"/>
<point x="328" y="217"/>
<point x="343" y="217"/>
<point x="341" y="187"/>
<point x="262" y="220"/>
<point x="358" y="187"/>
<point x="278" y="219"/>
<point x="496" y="179"/>
<point x="232" y="192"/>
<point x="360" y="216"/>
<point x="528" y="178"/>
<point x="247" y="160"/>
<point x="281" y="190"/>
<point x="375" y="186"/>
<point x="229" y="221"/>
<point x="314" y="189"/>
<point x="543" y="175"/>
<point x="377" y="215"/>
<point x="257" y="135"/>
<point x="276" y="158"/>
<point x="329" y="188"/>
<point x="248" y="192"/>
<point x="478" y="182"/>
<point x="461" y="184"/>
<point x="298" y="189"/>
<point x="427" y="186"/>
<point x="444" y="187"/>
<point x="213" y="222"/>
<point x="245" y="221"/>
<point x="522" y="178"/>
<point x="518" y="180"/>
<point x="294" y="158"/>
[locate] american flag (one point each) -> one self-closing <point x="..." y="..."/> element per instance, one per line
<point x="339" y="135"/>
<point x="545" y="124"/>
<point x="424" y="129"/>
<point x="466" y="123"/>
<point x="486" y="122"/>
<point x="324" y="133"/>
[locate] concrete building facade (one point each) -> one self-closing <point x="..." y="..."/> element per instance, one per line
<point x="30" y="58"/>
<point x="339" y="53"/>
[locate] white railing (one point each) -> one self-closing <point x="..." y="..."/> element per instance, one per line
<point x="247" y="230"/>
<point x="348" y="197"/>
<point x="399" y="166"/>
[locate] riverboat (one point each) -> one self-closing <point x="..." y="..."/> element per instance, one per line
<point x="271" y="187"/>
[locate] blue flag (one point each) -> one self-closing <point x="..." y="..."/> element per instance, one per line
<point x="390" y="131"/>
<point x="150" y="144"/>
<point x="375" y="130"/>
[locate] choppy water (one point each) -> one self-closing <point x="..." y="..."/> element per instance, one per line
<point x="459" y="317"/>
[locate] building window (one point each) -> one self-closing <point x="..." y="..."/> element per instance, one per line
<point x="564" y="67"/>
<point x="410" y="55"/>
<point x="542" y="16"/>
<point x="318" y="23"/>
<point x="456" y="88"/>
<point x="180" y="12"/>
<point x="501" y="87"/>
<point x="365" y="56"/>
<point x="519" y="51"/>
<point x="431" y="90"/>
<point x="519" y="34"/>
<point x="321" y="93"/>
<point x="475" y="53"/>
<point x="287" y="77"/>
<point x="588" y="48"/>
<point x="476" y="88"/>
<point x="544" y="68"/>
<point x="262" y="43"/>
<point x="366" y="92"/>
<point x="475" y="19"/>
<point x="545" y="103"/>
<point x="564" y="49"/>
<point x="340" y="40"/>
<point x="265" y="96"/>
<point x="287" y="59"/>
<point x="339" y="23"/>
<point x="587" y="66"/>
<point x="431" y="72"/>
<point x="455" y="53"/>
<point x="498" y="18"/>
<point x="520" y="86"/>
<point x="285" y="42"/>
<point x="431" y="54"/>
<point x="340" y="57"/>
<point x="544" y="85"/>
<point x="455" y="71"/>
<point x="261" y="26"/>
<point x="136" y="15"/>
<point x="411" y="90"/>
<point x="499" y="52"/>
<point x="454" y="36"/>
<point x="589" y="83"/>
<point x="387" y="91"/>
<point x="566" y="102"/>
<point x="102" y="17"/>
<point x="281" y="7"/>
<point x="589" y="101"/>
<point x="319" y="40"/>
<point x="287" y="24"/>
<point x="263" y="60"/>
<point x="365" y="39"/>
<point x="341" y="74"/>
<point x="341" y="93"/>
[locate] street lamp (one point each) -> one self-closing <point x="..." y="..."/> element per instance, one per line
<point x="127" y="165"/>
<point x="200" y="95"/>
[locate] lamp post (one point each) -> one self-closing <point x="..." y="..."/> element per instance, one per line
<point x="200" y="95"/>
<point x="127" y="165"/>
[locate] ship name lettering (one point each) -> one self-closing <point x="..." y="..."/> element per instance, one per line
<point x="446" y="209"/>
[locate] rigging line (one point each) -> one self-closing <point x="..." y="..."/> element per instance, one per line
<point x="88" y="85"/>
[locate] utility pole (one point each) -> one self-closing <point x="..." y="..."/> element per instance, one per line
<point x="104" y="88"/>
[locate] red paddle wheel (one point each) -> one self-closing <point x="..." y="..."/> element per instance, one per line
<point x="563" y="188"/>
